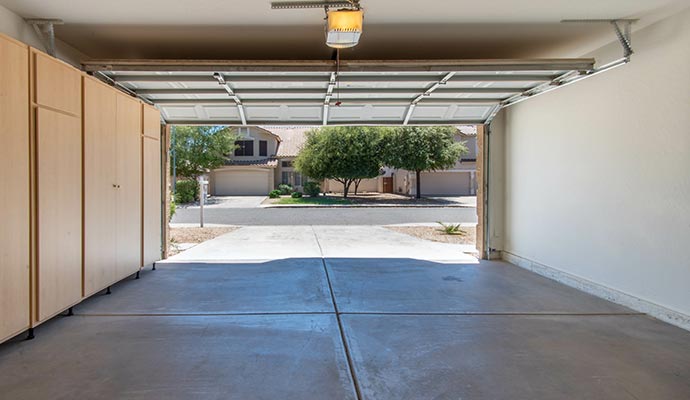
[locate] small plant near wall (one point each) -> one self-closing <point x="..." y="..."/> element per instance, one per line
<point x="312" y="188"/>
<point x="285" y="189"/>
<point x="173" y="208"/>
<point x="274" y="194"/>
<point x="296" y="195"/>
<point x="451" y="229"/>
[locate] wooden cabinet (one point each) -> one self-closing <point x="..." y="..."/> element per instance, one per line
<point x="112" y="186"/>
<point x="129" y="185"/>
<point x="58" y="176"/>
<point x="100" y="185"/>
<point x="57" y="85"/>
<point x="78" y="195"/>
<point x="14" y="196"/>
<point x="57" y="135"/>
<point x="152" y="189"/>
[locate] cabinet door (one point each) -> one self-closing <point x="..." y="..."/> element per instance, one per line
<point x="58" y="162"/>
<point x="129" y="182"/>
<point x="14" y="196"/>
<point x="57" y="85"/>
<point x="100" y="186"/>
<point x="152" y="201"/>
<point x="152" y="122"/>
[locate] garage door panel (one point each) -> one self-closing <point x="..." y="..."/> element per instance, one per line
<point x="446" y="183"/>
<point x="242" y="182"/>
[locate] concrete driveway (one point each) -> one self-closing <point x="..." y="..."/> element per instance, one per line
<point x="345" y="313"/>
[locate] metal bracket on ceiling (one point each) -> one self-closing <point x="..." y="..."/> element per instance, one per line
<point x="623" y="34"/>
<point x="240" y="108"/>
<point x="45" y="28"/>
<point x="624" y="37"/>
<point x="311" y="4"/>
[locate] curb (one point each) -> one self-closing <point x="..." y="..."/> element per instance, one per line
<point x="361" y="206"/>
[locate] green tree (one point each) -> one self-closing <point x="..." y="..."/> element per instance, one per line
<point x="346" y="154"/>
<point x="201" y="148"/>
<point x="422" y="148"/>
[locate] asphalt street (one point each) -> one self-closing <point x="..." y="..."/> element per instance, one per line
<point x="327" y="216"/>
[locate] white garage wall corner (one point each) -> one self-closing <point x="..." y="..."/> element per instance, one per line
<point x="496" y="139"/>
<point x="14" y="26"/>
<point x="597" y="177"/>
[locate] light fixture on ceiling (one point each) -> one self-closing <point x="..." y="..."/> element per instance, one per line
<point x="343" y="26"/>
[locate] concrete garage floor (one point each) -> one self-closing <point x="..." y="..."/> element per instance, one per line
<point x="337" y="327"/>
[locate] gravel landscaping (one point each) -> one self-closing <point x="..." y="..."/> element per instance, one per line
<point x="435" y="234"/>
<point x="183" y="238"/>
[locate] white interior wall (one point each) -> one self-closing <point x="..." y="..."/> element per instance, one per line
<point x="14" y="26"/>
<point x="597" y="177"/>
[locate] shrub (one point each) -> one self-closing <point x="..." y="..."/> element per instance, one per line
<point x="274" y="194"/>
<point x="173" y="208"/>
<point x="312" y="188"/>
<point x="186" y="191"/>
<point x="451" y="229"/>
<point x="296" y="195"/>
<point x="284" y="188"/>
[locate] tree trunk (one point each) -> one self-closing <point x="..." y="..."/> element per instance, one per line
<point x="419" y="184"/>
<point x="357" y="182"/>
<point x="346" y="188"/>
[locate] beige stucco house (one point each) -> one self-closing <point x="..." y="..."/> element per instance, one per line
<point x="461" y="180"/>
<point x="265" y="155"/>
<point x="262" y="161"/>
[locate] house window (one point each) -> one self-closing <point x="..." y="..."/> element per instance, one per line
<point x="263" y="148"/>
<point x="285" y="178"/>
<point x="298" y="179"/>
<point x="286" y="164"/>
<point x="244" y="148"/>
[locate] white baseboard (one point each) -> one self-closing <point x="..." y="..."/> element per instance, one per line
<point x="654" y="310"/>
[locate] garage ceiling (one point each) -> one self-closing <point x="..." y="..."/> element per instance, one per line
<point x="420" y="92"/>
<point x="393" y="29"/>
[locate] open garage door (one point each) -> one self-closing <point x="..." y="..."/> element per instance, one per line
<point x="437" y="92"/>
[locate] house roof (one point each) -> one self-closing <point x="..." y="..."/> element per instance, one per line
<point x="292" y="139"/>
<point x="263" y="162"/>
<point x="468" y="130"/>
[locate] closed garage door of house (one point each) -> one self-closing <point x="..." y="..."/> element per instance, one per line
<point x="451" y="183"/>
<point x="255" y="182"/>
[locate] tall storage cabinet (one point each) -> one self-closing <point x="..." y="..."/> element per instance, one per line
<point x="14" y="196"/>
<point x="129" y="185"/>
<point x="152" y="189"/>
<point x="100" y="185"/>
<point x="57" y="138"/>
<point x="112" y="186"/>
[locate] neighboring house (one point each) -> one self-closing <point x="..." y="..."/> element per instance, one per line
<point x="261" y="162"/>
<point x="265" y="156"/>
<point x="461" y="180"/>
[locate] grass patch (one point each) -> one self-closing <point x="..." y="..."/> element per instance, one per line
<point x="312" y="200"/>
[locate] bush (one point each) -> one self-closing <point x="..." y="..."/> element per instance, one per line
<point x="296" y="195"/>
<point x="284" y="188"/>
<point x="312" y="188"/>
<point x="274" y="194"/>
<point x="186" y="191"/>
<point x="173" y="208"/>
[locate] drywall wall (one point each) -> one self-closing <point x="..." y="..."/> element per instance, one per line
<point x="14" y="26"/>
<point x="597" y="176"/>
